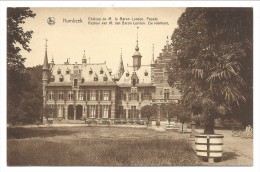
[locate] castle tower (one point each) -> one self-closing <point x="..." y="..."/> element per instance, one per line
<point x="84" y="59"/>
<point x="137" y="56"/>
<point x="45" y="73"/>
<point x="121" y="69"/>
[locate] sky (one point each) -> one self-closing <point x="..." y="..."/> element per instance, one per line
<point x="100" y="42"/>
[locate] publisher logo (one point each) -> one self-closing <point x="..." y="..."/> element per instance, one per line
<point x="51" y="20"/>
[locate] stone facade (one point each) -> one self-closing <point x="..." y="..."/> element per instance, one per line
<point x="76" y="91"/>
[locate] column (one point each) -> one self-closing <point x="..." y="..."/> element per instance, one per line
<point x="159" y="112"/>
<point x="126" y="113"/>
<point x="66" y="112"/>
<point x="74" y="112"/>
<point x="84" y="111"/>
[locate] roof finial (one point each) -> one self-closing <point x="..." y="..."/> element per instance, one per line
<point x="167" y="40"/>
<point x="137" y="48"/>
<point x="45" y="63"/>
<point x="46" y="44"/>
<point x="89" y="59"/>
<point x="152" y="62"/>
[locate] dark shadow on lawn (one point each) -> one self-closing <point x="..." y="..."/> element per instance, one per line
<point x="229" y="156"/>
<point x="20" y="133"/>
<point x="226" y="156"/>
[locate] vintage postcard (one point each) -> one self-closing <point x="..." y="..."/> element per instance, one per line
<point x="129" y="86"/>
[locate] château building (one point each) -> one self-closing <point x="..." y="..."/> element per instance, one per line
<point x="88" y="90"/>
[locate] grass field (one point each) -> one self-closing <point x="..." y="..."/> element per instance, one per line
<point x="97" y="146"/>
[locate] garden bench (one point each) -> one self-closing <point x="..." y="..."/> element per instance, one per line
<point x="248" y="133"/>
<point x="237" y="129"/>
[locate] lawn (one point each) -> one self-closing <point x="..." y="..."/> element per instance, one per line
<point x="98" y="146"/>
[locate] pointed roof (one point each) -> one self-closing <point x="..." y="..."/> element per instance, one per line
<point x="45" y="63"/>
<point x="137" y="53"/>
<point x="152" y="61"/>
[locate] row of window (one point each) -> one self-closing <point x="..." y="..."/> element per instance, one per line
<point x="132" y="113"/>
<point x="99" y="111"/>
<point x="76" y="71"/>
<point x="91" y="95"/>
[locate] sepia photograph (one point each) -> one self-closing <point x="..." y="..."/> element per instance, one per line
<point x="129" y="86"/>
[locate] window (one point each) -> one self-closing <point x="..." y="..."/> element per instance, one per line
<point x="101" y="71"/>
<point x="51" y="94"/>
<point x="105" y="78"/>
<point x="145" y="73"/>
<point x="81" y="95"/>
<point x="60" y="95"/>
<point x="106" y="95"/>
<point x="121" y="95"/>
<point x="134" y="95"/>
<point x="105" y="111"/>
<point x="166" y="93"/>
<point x="61" y="78"/>
<point x="90" y="71"/>
<point x="67" y="71"/>
<point x="92" y="95"/>
<point x="127" y="74"/>
<point x="82" y="80"/>
<point x="147" y="95"/>
<point x="60" y="111"/>
<point x="92" y="111"/>
<point x="133" y="112"/>
<point x="75" y="82"/>
<point x="120" y="111"/>
<point x="165" y="75"/>
<point x="70" y="95"/>
<point x="52" y="78"/>
<point x="59" y="71"/>
<point x="95" y="78"/>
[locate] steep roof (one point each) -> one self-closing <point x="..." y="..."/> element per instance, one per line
<point x="143" y="80"/>
<point x="83" y="71"/>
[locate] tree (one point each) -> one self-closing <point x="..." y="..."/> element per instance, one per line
<point x="170" y="110"/>
<point x="214" y="60"/>
<point x="148" y="111"/>
<point x="16" y="77"/>
<point x="48" y="112"/>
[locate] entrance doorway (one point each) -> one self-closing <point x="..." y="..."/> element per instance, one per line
<point x="79" y="109"/>
<point x="71" y="112"/>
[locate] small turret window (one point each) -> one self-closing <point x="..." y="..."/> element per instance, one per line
<point x="145" y="73"/>
<point x="90" y="71"/>
<point x="52" y="78"/>
<point x="67" y="71"/>
<point x="59" y="71"/>
<point x="61" y="78"/>
<point x="82" y="80"/>
<point x="96" y="77"/>
<point x="127" y="74"/>
<point x="101" y="71"/>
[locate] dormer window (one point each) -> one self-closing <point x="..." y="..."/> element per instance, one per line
<point x="101" y="71"/>
<point x="67" y="71"/>
<point x="52" y="78"/>
<point x="127" y="74"/>
<point x="82" y="80"/>
<point x="90" y="71"/>
<point x="96" y="77"/>
<point x="59" y="71"/>
<point x="105" y="78"/>
<point x="145" y="73"/>
<point x="79" y="71"/>
<point x="61" y="78"/>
